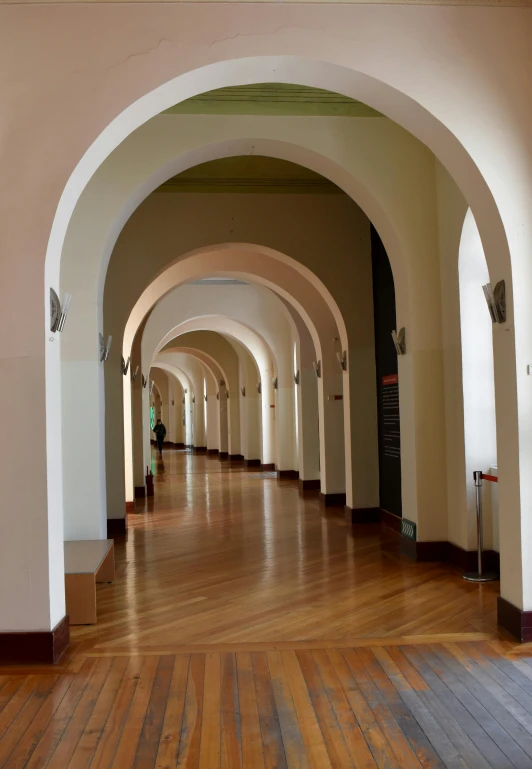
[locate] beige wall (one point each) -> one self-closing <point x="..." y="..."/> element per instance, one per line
<point x="456" y="77"/>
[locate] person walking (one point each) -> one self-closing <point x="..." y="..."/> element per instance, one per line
<point x="160" y="434"/>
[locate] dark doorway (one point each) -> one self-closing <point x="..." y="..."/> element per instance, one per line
<point x="387" y="379"/>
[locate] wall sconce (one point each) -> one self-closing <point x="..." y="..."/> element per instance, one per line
<point x="183" y="401"/>
<point x="105" y="349"/>
<point x="243" y="391"/>
<point x="193" y="399"/>
<point x="399" y="340"/>
<point x="134" y="374"/>
<point x="125" y="365"/>
<point x="496" y="301"/>
<point x="222" y="382"/>
<point x="151" y="386"/>
<point x="317" y="369"/>
<point x="205" y="398"/>
<point x="275" y="383"/>
<point x="217" y="396"/>
<point x="58" y="314"/>
<point x="227" y="395"/>
<point x="296" y="377"/>
<point x="259" y="387"/>
<point x="173" y="402"/>
<point x="342" y="360"/>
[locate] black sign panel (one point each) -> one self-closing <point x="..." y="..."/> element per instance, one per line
<point x="387" y="379"/>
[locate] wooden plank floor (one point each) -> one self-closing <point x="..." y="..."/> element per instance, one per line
<point x="247" y="628"/>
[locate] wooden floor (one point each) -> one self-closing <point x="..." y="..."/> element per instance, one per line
<point x="249" y="628"/>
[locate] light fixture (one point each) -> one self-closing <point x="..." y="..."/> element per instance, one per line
<point x="399" y="340"/>
<point x="151" y="386"/>
<point x="193" y="399"/>
<point x="227" y="395"/>
<point x="217" y="396"/>
<point x="173" y="402"/>
<point x="317" y="369"/>
<point x="125" y="365"/>
<point x="57" y="313"/>
<point x="275" y="382"/>
<point x="496" y="301"/>
<point x="105" y="349"/>
<point x="243" y="391"/>
<point x="296" y="377"/>
<point x="205" y="398"/>
<point x="222" y="382"/>
<point x="134" y="374"/>
<point x="342" y="359"/>
<point x="259" y="387"/>
<point x="144" y="381"/>
<point x="183" y="401"/>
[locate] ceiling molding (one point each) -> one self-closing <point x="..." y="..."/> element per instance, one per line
<point x="250" y="174"/>
<point x="468" y="3"/>
<point x="282" y="99"/>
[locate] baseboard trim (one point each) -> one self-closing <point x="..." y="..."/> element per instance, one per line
<point x="360" y="515"/>
<point x="516" y="621"/>
<point x="140" y="492"/>
<point x="116" y="527"/>
<point x="269" y="467"/>
<point x="35" y="647"/>
<point x="130" y="507"/>
<point x="288" y="475"/>
<point x="199" y="449"/>
<point x="332" y="500"/>
<point x="439" y="551"/>
<point x="252" y="463"/>
<point x="223" y="455"/>
<point x="309" y="485"/>
<point x="236" y="457"/>
<point x="213" y="452"/>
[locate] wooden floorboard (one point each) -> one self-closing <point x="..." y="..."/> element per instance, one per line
<point x="250" y="628"/>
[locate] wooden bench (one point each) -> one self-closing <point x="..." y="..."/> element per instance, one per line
<point x="87" y="562"/>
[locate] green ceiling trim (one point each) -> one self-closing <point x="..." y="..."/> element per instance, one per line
<point x="274" y="186"/>
<point x="250" y="174"/>
<point x="273" y="99"/>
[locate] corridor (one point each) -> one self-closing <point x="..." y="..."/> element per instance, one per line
<point x="225" y="555"/>
<point x="249" y="628"/>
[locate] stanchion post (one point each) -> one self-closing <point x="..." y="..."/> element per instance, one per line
<point x="479" y="576"/>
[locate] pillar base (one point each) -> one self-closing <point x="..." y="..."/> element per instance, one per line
<point x="223" y="456"/>
<point x="357" y="515"/>
<point x="252" y="463"/>
<point x="200" y="449"/>
<point x="309" y="486"/>
<point x="140" y="492"/>
<point x="35" y="647"/>
<point x="236" y="458"/>
<point x="213" y="452"/>
<point x="516" y="621"/>
<point x="116" y="527"/>
<point x="287" y="475"/>
<point x="332" y="500"/>
<point x="269" y="467"/>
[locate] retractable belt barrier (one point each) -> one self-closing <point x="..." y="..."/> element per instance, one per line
<point x="480" y="575"/>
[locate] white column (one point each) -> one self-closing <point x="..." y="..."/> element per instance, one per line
<point x="309" y="434"/>
<point x="332" y="446"/>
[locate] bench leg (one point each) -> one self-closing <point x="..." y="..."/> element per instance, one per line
<point x="106" y="572"/>
<point x="80" y="594"/>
